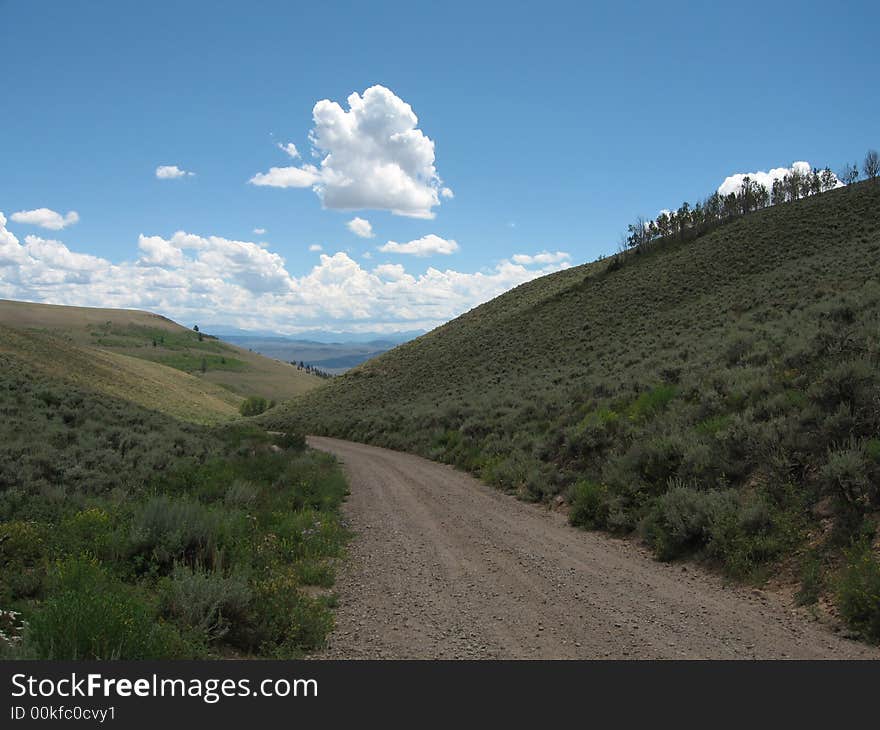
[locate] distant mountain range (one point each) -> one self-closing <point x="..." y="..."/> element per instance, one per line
<point x="333" y="352"/>
<point x="325" y="336"/>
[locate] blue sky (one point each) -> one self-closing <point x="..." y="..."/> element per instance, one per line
<point x="554" y="124"/>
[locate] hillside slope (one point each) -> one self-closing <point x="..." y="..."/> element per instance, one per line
<point x="718" y="394"/>
<point x="147" y="384"/>
<point x="151" y="338"/>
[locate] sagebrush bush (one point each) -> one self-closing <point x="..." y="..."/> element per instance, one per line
<point x="745" y="539"/>
<point x="845" y="382"/>
<point x="241" y="493"/>
<point x="845" y="476"/>
<point x="858" y="590"/>
<point x="683" y="520"/>
<point x="205" y="602"/>
<point x="166" y="530"/>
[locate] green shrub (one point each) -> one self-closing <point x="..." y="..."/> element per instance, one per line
<point x="287" y="622"/>
<point x="307" y="533"/>
<point x="651" y="402"/>
<point x="253" y="406"/>
<point x="745" y="540"/>
<point x="656" y="460"/>
<point x="812" y="577"/>
<point x="316" y="572"/>
<point x="589" y="506"/>
<point x="291" y="441"/>
<point x="22" y="543"/>
<point x="596" y="432"/>
<point x="858" y="590"/>
<point x="712" y="425"/>
<point x="872" y="449"/>
<point x="23" y="550"/>
<point x="91" y="531"/>
<point x="91" y="615"/>
<point x="316" y="482"/>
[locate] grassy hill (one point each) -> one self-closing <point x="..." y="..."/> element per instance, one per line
<point x="719" y="395"/>
<point x="147" y="358"/>
<point x="147" y="384"/>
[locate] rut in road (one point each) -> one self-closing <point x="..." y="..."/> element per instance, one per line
<point x="443" y="566"/>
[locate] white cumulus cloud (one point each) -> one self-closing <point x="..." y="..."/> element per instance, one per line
<point x="11" y="251"/>
<point x="429" y="245"/>
<point x="170" y="172"/>
<point x="45" y="218"/>
<point x="733" y="183"/>
<point x="360" y="227"/>
<point x="288" y="177"/>
<point x="373" y="156"/>
<point x="316" y="247"/>
<point x="259" y="231"/>
<point x="156" y="251"/>
<point x="545" y="257"/>
<point x="392" y="272"/>
<point x="194" y="278"/>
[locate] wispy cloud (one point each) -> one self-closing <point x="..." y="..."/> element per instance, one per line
<point x="429" y="245"/>
<point x="171" y="172"/>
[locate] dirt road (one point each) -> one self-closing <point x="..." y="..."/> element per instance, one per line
<point x="445" y="567"/>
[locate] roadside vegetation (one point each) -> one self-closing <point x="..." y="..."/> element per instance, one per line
<point x="716" y="394"/>
<point x="125" y="533"/>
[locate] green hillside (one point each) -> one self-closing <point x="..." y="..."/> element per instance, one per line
<point x="719" y="395"/>
<point x="148" y="337"/>
<point x="148" y="384"/>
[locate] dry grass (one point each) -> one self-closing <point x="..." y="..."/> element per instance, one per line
<point x="148" y="384"/>
<point x="231" y="373"/>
